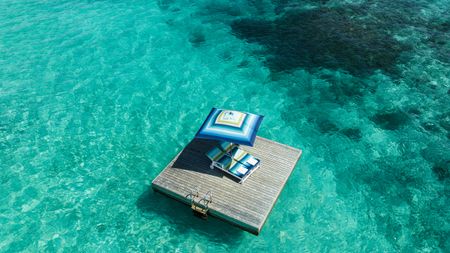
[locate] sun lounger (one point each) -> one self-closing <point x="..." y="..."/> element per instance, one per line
<point x="215" y="154"/>
<point x="226" y="146"/>
<point x="233" y="161"/>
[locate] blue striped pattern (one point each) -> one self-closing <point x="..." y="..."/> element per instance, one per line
<point x="215" y="153"/>
<point x="225" y="146"/>
<point x="243" y="157"/>
<point x="232" y="126"/>
<point x="233" y="159"/>
<point x="236" y="168"/>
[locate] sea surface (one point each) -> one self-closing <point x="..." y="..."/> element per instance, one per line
<point x="96" y="97"/>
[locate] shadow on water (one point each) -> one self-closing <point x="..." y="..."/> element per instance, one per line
<point x="153" y="204"/>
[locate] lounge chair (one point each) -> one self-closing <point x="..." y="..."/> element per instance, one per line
<point x="233" y="161"/>
<point x="226" y="146"/>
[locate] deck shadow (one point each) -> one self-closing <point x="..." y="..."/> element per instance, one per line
<point x="179" y="216"/>
<point x="193" y="157"/>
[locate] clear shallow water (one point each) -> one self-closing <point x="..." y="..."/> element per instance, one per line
<point x="96" y="97"/>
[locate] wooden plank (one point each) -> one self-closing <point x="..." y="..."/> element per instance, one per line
<point x="246" y="205"/>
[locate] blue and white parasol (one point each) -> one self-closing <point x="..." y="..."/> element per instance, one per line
<point x="233" y="126"/>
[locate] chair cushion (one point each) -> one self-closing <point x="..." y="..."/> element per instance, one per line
<point x="226" y="162"/>
<point x="226" y="146"/>
<point x="233" y="159"/>
<point x="250" y="161"/>
<point x="243" y="157"/>
<point x="237" y="154"/>
<point x="215" y="154"/>
<point x="240" y="170"/>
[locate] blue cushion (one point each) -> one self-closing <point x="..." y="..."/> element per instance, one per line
<point x="215" y="154"/>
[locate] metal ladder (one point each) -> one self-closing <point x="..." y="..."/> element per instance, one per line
<point x="200" y="205"/>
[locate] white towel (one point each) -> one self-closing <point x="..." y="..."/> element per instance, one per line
<point x="252" y="161"/>
<point x="242" y="170"/>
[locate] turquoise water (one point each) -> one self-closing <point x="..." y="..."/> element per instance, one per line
<point x="96" y="97"/>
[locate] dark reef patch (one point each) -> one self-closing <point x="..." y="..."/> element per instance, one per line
<point x="430" y="127"/>
<point x="438" y="154"/>
<point x="444" y="121"/>
<point x="244" y="64"/>
<point x="196" y="38"/>
<point x="335" y="38"/>
<point x="439" y="39"/>
<point x="165" y="4"/>
<point x="390" y="120"/>
<point x="414" y="112"/>
<point x="352" y="133"/>
<point x="442" y="172"/>
<point x="326" y="126"/>
<point x="390" y="188"/>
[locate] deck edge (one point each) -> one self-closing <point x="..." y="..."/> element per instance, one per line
<point x="212" y="212"/>
<point x="300" y="152"/>
<point x="216" y="214"/>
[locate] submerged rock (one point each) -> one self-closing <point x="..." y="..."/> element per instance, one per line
<point x="442" y="172"/>
<point x="196" y="38"/>
<point x="335" y="38"/>
<point x="390" y="120"/>
<point x="352" y="133"/>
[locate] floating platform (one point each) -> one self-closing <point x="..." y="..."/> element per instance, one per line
<point x="245" y="205"/>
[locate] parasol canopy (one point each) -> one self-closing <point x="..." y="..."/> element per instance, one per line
<point x="233" y="126"/>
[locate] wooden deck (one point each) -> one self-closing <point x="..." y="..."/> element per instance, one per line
<point x="245" y="205"/>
